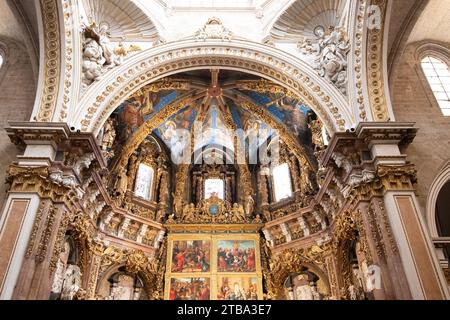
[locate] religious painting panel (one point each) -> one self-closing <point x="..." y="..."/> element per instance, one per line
<point x="238" y="288"/>
<point x="191" y="256"/>
<point x="236" y="256"/>
<point x="203" y="266"/>
<point x="190" y="289"/>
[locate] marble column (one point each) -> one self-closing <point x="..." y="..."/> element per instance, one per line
<point x="420" y="264"/>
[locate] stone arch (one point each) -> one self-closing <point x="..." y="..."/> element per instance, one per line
<point x="434" y="49"/>
<point x="4" y="53"/>
<point x="102" y="290"/>
<point x="286" y="263"/>
<point x="240" y="55"/>
<point x="441" y="179"/>
<point x="437" y="50"/>
<point x="311" y="267"/>
<point x="401" y="39"/>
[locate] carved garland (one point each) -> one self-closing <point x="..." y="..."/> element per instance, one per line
<point x="52" y="60"/>
<point x="35" y="229"/>
<point x="348" y="226"/>
<point x="68" y="27"/>
<point x="375" y="77"/>
<point x="358" y="53"/>
<point x="45" y="238"/>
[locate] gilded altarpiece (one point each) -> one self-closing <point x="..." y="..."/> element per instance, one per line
<point x="213" y="267"/>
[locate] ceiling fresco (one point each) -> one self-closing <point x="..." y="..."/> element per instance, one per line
<point x="216" y="101"/>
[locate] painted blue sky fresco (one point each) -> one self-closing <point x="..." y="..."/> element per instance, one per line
<point x="229" y="244"/>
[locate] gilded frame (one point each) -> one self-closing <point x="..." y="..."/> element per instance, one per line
<point x="214" y="275"/>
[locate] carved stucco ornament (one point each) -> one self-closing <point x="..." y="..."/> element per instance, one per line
<point x="213" y="29"/>
<point x="330" y="50"/>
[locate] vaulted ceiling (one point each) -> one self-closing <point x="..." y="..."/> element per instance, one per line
<point x="303" y="16"/>
<point x="434" y="23"/>
<point x="124" y="18"/>
<point x="216" y="103"/>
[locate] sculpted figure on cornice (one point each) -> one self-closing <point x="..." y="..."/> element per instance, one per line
<point x="346" y="159"/>
<point x="213" y="210"/>
<point x="109" y="136"/>
<point x="249" y="205"/>
<point x="99" y="54"/>
<point x="316" y="127"/>
<point x="307" y="182"/>
<point x="121" y="184"/>
<point x="331" y="50"/>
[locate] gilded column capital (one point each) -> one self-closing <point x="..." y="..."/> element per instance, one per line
<point x="39" y="180"/>
<point x="397" y="177"/>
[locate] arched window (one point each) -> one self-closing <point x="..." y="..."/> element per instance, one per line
<point x="438" y="76"/>
<point x="443" y="210"/>
<point x="282" y="182"/>
<point x="144" y="182"/>
<point x="443" y="219"/>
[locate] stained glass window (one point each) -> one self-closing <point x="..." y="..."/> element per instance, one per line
<point x="282" y="182"/>
<point x="214" y="186"/>
<point x="438" y="76"/>
<point x="144" y="181"/>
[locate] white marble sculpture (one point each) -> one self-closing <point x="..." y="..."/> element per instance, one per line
<point x="331" y="50"/>
<point x="72" y="282"/>
<point x="98" y="54"/>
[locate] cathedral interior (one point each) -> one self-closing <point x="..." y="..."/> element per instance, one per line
<point x="225" y="150"/>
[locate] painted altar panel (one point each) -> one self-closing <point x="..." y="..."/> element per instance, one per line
<point x="190" y="289"/>
<point x="191" y="256"/>
<point x="236" y="256"/>
<point x="238" y="288"/>
<point x="223" y="266"/>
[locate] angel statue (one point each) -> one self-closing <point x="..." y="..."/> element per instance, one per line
<point x="121" y="185"/>
<point x="109" y="135"/>
<point x="238" y="212"/>
<point x="189" y="212"/>
<point x="105" y="43"/>
<point x="98" y="53"/>
<point x="249" y="205"/>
